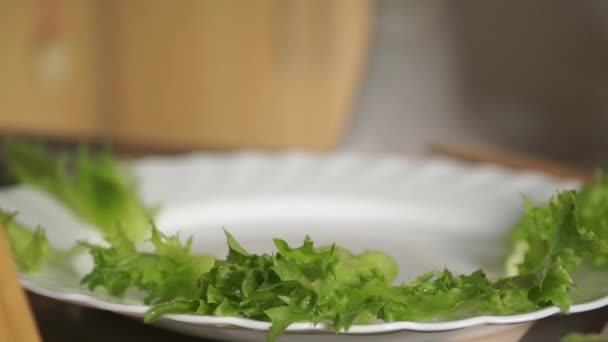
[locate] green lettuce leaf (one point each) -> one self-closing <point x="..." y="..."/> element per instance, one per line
<point x="170" y="272"/>
<point x="572" y="226"/>
<point x="30" y="249"/>
<point x="593" y="214"/>
<point x="94" y="187"/>
<point x="327" y="284"/>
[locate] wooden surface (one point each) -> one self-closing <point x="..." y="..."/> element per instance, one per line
<point x="183" y="75"/>
<point x="512" y="160"/>
<point x="38" y="93"/>
<point x="16" y="320"/>
<point x="231" y="73"/>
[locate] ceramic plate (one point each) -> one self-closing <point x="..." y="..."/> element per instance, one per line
<point x="426" y="213"/>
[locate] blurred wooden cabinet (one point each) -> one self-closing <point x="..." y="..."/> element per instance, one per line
<point x="193" y="73"/>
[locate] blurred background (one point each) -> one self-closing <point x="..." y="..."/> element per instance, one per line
<point x="364" y="75"/>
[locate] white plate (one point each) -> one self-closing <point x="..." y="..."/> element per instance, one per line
<point x="427" y="213"/>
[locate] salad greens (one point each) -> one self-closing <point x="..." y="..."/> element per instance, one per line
<point x="295" y="284"/>
<point x="171" y="272"/>
<point x="305" y="284"/>
<point x="326" y="284"/>
<point x="94" y="187"/>
<point x="30" y="248"/>
<point x="583" y="216"/>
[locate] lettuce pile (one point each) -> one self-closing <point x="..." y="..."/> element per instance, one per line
<point x="306" y="283"/>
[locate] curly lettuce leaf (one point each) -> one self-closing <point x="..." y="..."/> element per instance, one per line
<point x="94" y="187"/>
<point x="572" y="226"/>
<point x="30" y="249"/>
<point x="170" y="272"/>
<point x="329" y="285"/>
<point x="593" y="213"/>
<point x="296" y="284"/>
